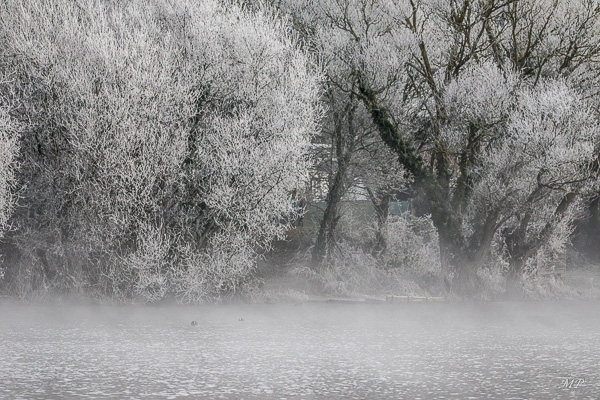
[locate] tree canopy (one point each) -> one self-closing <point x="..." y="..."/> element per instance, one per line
<point x="161" y="141"/>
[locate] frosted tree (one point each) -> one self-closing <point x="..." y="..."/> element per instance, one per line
<point x="166" y="140"/>
<point x="552" y="142"/>
<point x="357" y="157"/>
<point x="450" y="87"/>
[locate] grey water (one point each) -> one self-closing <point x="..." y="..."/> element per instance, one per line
<point x="512" y="350"/>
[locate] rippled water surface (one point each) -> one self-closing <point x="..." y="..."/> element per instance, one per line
<point x="313" y="351"/>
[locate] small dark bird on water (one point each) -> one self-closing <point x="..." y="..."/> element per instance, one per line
<point x="194" y="323"/>
<point x="241" y="319"/>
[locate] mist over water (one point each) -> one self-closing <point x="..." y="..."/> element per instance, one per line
<point x="314" y="351"/>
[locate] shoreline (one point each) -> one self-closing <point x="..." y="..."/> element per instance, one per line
<point x="285" y="287"/>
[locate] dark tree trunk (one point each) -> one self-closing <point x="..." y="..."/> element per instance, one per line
<point x="325" y="237"/>
<point x="514" y="288"/>
<point x="345" y="140"/>
<point x="594" y="229"/>
<point x="587" y="233"/>
<point x="459" y="267"/>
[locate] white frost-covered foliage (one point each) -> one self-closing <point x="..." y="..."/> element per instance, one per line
<point x="554" y="129"/>
<point x="8" y="154"/>
<point x="481" y="97"/>
<point x="350" y="36"/>
<point x="499" y="98"/>
<point x="187" y="124"/>
<point x="412" y="245"/>
<point x="256" y="129"/>
<point x="548" y="146"/>
<point x="537" y="143"/>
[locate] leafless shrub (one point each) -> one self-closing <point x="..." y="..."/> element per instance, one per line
<point x="412" y="245"/>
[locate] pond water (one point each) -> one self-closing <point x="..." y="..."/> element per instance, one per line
<point x="529" y="350"/>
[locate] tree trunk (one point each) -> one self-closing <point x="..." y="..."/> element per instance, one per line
<point x="325" y="237"/>
<point x="587" y="234"/>
<point x="462" y="260"/>
<point x="514" y="288"/>
<point x="459" y="268"/>
<point x="594" y="228"/>
<point x="345" y="140"/>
